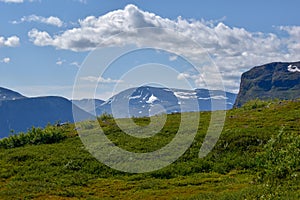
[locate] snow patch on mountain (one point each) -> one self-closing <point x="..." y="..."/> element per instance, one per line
<point x="219" y="97"/>
<point x="152" y="99"/>
<point x="293" y="68"/>
<point x="135" y="97"/>
<point x="185" y="95"/>
<point x="109" y="101"/>
<point x="204" y="98"/>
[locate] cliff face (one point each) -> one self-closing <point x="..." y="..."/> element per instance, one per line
<point x="274" y="80"/>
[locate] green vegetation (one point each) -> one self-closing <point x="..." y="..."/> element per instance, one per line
<point x="256" y="157"/>
<point x="36" y="136"/>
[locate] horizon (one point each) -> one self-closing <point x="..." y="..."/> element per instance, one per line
<point x="44" y="49"/>
<point x="110" y="96"/>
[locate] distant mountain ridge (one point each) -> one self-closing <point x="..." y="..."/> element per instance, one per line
<point x="279" y="80"/>
<point x="274" y="80"/>
<point x="88" y="105"/>
<point x="6" y="94"/>
<point x="19" y="113"/>
<point x="146" y="101"/>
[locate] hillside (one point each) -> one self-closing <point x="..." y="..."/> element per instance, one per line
<point x="6" y="94"/>
<point x="88" y="105"/>
<point x="256" y="157"/>
<point x="278" y="80"/>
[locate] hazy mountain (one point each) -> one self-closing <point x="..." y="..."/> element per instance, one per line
<point x="6" y="94"/>
<point x="274" y="80"/>
<point x="145" y="101"/>
<point x="88" y="105"/>
<point x="21" y="114"/>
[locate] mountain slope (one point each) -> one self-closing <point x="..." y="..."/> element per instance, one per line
<point x="274" y="80"/>
<point x="146" y="100"/>
<point x="21" y="114"/>
<point x="6" y="94"/>
<point x="88" y="104"/>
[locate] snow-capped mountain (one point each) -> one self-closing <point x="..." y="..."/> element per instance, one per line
<point x="20" y="113"/>
<point x="147" y="101"/>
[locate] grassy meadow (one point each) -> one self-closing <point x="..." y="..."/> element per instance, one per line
<point x="256" y="157"/>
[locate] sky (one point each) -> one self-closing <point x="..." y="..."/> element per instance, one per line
<point x="92" y="47"/>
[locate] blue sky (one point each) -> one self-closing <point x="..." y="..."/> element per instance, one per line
<point x="45" y="44"/>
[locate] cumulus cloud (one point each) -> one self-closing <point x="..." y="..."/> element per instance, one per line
<point x="54" y="21"/>
<point x="12" y="41"/>
<point x="5" y="60"/>
<point x="99" y="79"/>
<point x="233" y="50"/>
<point x="293" y="42"/>
<point x="182" y="76"/>
<point x="41" y="38"/>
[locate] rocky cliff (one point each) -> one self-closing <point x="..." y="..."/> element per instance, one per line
<point x="278" y="80"/>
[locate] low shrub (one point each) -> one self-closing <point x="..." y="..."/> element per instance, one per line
<point x="36" y="136"/>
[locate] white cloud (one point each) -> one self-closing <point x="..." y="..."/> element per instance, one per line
<point x="54" y="21"/>
<point x="232" y="49"/>
<point x="40" y="38"/>
<point x="293" y="42"/>
<point x="5" y="60"/>
<point x="173" y="58"/>
<point x="76" y="64"/>
<point x="182" y="76"/>
<point x="12" y="41"/>
<point x="60" y="61"/>
<point x="99" y="79"/>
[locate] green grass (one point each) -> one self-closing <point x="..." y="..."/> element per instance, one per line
<point x="256" y="157"/>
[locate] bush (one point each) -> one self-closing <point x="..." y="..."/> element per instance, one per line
<point x="36" y="136"/>
<point x="105" y="116"/>
<point x="280" y="159"/>
<point x="255" y="104"/>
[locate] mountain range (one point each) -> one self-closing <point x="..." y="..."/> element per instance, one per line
<point x="146" y="101"/>
<point x="19" y="113"/>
